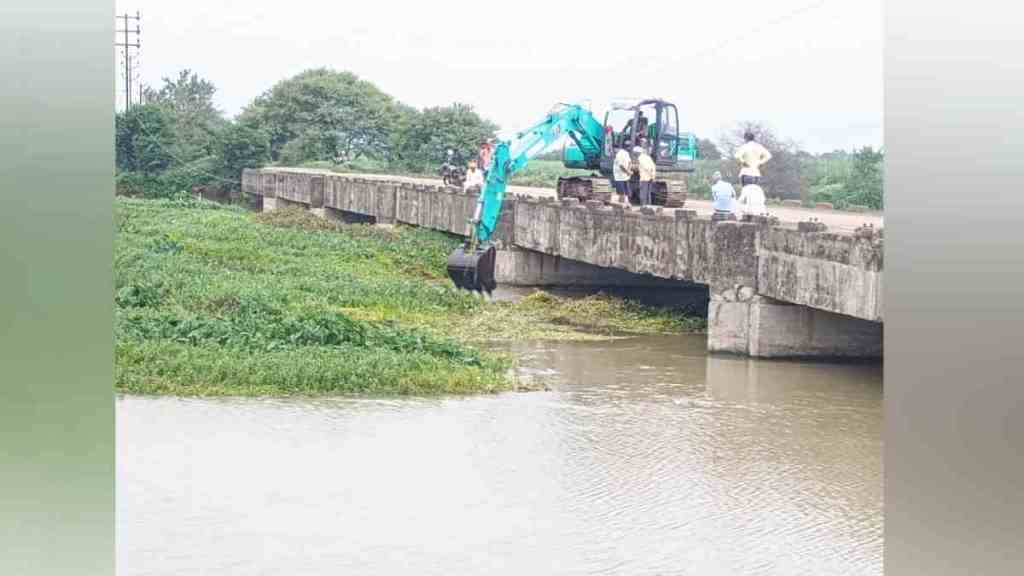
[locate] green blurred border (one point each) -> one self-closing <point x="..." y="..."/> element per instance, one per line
<point x="954" y="304"/>
<point x="56" y="232"/>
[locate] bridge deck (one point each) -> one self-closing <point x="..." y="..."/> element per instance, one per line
<point x="836" y="220"/>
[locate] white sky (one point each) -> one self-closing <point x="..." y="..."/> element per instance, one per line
<point x="814" y="75"/>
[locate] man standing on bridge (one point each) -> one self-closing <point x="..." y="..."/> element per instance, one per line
<point x="484" y="157"/>
<point x="751" y="156"/>
<point x="622" y="170"/>
<point x="645" y="168"/>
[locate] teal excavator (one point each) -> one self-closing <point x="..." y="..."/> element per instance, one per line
<point x="652" y="124"/>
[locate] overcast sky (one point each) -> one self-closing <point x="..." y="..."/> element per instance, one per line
<point x="812" y="70"/>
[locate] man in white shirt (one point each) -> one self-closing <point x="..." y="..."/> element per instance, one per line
<point x="723" y="194"/>
<point x="474" y="177"/>
<point x="752" y="200"/>
<point x="751" y="157"/>
<point x="622" y="170"/>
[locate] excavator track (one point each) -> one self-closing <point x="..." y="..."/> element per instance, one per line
<point x="667" y="193"/>
<point x="670" y="193"/>
<point x="585" y="188"/>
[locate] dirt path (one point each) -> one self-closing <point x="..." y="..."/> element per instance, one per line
<point x="835" y="219"/>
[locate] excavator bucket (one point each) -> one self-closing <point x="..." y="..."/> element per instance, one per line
<point x="473" y="269"/>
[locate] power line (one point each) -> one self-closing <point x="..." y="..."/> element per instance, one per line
<point x="770" y="23"/>
<point x="131" y="75"/>
<point x="144" y="129"/>
<point x="128" y="45"/>
<point x="701" y="56"/>
<point x="137" y="84"/>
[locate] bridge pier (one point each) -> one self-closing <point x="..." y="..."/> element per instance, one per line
<point x="740" y="321"/>
<point x="269" y="204"/>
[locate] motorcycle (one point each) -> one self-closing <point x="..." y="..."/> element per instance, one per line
<point x="452" y="171"/>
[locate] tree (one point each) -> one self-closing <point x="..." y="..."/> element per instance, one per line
<point x="707" y="150"/>
<point x="329" y="115"/>
<point x="242" y="146"/>
<point x="189" y="100"/>
<point x="143" y="138"/>
<point x="189" y="96"/>
<point x="405" y="117"/>
<point x="427" y="135"/>
<point x="865" y="183"/>
<point x="781" y="176"/>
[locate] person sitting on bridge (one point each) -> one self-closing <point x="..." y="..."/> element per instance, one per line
<point x="474" y="177"/>
<point x="646" y="170"/>
<point x="751" y="156"/>
<point x="723" y="194"/>
<point x="752" y="201"/>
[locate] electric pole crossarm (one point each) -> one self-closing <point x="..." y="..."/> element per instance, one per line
<point x="128" y="45"/>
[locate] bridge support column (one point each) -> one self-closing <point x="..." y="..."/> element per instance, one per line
<point x="740" y="321"/>
<point x="270" y="204"/>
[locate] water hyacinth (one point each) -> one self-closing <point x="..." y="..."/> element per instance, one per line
<point x="211" y="299"/>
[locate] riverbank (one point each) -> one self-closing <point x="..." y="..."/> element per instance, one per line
<point x="213" y="300"/>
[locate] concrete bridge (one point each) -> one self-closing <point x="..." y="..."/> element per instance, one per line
<point x="777" y="289"/>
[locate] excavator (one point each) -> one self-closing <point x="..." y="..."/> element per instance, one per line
<point x="592" y="144"/>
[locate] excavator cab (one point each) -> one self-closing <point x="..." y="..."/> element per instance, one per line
<point x="654" y="123"/>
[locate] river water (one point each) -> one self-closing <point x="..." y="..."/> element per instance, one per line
<point x="647" y="456"/>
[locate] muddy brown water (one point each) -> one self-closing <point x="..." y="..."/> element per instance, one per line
<point x="647" y="456"/>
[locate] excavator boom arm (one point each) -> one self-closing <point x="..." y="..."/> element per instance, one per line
<point x="473" y="266"/>
<point x="511" y="156"/>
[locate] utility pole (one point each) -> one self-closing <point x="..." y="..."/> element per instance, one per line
<point x="128" y="45"/>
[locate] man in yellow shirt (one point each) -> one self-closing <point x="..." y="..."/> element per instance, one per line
<point x="646" y="170"/>
<point x="751" y="157"/>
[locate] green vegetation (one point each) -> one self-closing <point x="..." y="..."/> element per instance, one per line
<point x="542" y="316"/>
<point x="178" y="140"/>
<point x="544" y="174"/>
<point x="847" y="180"/>
<point x="421" y="138"/>
<point x="210" y="299"/>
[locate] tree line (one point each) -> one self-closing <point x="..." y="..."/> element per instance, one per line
<point x="178" y="139"/>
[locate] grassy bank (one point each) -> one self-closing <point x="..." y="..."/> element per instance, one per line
<point x="214" y="300"/>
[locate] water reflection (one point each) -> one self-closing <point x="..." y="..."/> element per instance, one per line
<point x="646" y="457"/>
